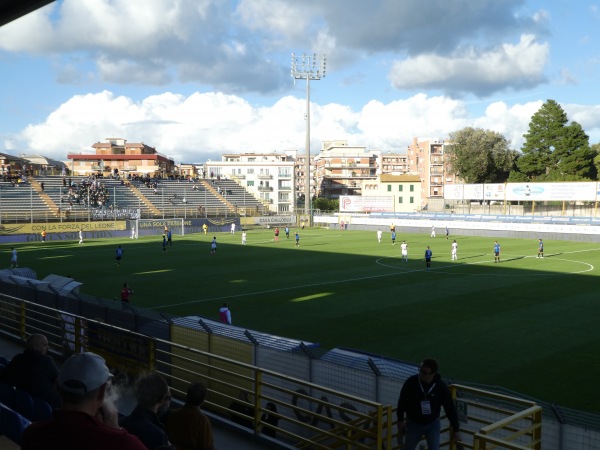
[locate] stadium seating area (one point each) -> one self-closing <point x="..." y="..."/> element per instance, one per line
<point x="47" y="198"/>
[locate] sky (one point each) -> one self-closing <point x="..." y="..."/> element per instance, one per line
<point x="199" y="78"/>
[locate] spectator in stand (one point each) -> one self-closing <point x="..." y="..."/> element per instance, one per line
<point x="153" y="398"/>
<point x="34" y="371"/>
<point x="188" y="428"/>
<point x="88" y="417"/>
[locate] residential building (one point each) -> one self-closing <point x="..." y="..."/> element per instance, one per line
<point x="117" y="156"/>
<point x="428" y="160"/>
<point x="300" y="179"/>
<point x="405" y="190"/>
<point x="393" y="163"/>
<point x="269" y="176"/>
<point x="341" y="169"/>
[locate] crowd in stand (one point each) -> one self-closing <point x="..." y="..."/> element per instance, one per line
<point x="85" y="414"/>
<point x="90" y="192"/>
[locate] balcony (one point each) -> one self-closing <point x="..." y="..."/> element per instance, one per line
<point x="237" y="177"/>
<point x="265" y="176"/>
<point x="265" y="189"/>
<point x="284" y="175"/>
<point x="285" y="188"/>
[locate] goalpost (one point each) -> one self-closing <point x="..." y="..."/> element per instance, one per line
<point x="157" y="226"/>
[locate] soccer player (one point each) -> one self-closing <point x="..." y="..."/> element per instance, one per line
<point x="205" y="228"/>
<point x="428" y="255"/>
<point x="447" y="232"/>
<point x="243" y="238"/>
<point x="233" y="228"/>
<point x="454" y="250"/>
<point x="118" y="256"/>
<point x="540" y="249"/>
<point x="496" y="252"/>
<point x="404" y="250"/>
<point x="125" y="293"/>
<point x="297" y="239"/>
<point x="393" y="238"/>
<point x="164" y="243"/>
<point x="13" y="258"/>
<point x="287" y="233"/>
<point x="169" y="238"/>
<point x="213" y="246"/>
<point x="80" y="236"/>
<point x="276" y="239"/>
<point x="133" y="232"/>
<point x="432" y="231"/>
<point x="379" y="236"/>
<point x="44" y="235"/>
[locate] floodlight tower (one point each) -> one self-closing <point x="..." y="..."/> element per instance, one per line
<point x="310" y="68"/>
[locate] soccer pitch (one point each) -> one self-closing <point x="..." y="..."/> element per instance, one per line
<point x="526" y="324"/>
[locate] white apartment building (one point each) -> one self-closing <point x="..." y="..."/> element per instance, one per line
<point x="341" y="169"/>
<point x="269" y="176"/>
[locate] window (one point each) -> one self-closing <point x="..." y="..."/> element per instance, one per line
<point x="399" y="188"/>
<point x="400" y="199"/>
<point x="250" y="171"/>
<point x="250" y="183"/>
<point x="412" y="199"/>
<point x="412" y="188"/>
<point x="389" y="188"/>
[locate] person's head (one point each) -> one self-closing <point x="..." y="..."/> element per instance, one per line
<point x="124" y="285"/>
<point x="152" y="391"/>
<point x="427" y="370"/>
<point x="82" y="382"/>
<point x="454" y="240"/>
<point x="196" y="394"/>
<point x="226" y="305"/>
<point x="38" y="343"/>
<point x="428" y="247"/>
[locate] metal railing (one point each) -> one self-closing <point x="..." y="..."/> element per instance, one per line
<point x="308" y="415"/>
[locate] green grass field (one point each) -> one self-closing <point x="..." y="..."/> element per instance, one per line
<point x="526" y="324"/>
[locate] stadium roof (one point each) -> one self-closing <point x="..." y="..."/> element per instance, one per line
<point x="13" y="9"/>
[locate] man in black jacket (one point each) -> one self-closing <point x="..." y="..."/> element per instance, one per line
<point x="421" y="399"/>
<point x="34" y="371"/>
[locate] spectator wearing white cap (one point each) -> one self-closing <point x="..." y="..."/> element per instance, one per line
<point x="88" y="418"/>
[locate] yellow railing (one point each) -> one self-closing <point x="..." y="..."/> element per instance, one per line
<point x="307" y="415"/>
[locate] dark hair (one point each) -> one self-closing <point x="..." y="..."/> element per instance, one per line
<point x="196" y="394"/>
<point x="150" y="389"/>
<point x="431" y="363"/>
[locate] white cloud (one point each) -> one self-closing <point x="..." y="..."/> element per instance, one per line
<point x="473" y="70"/>
<point x="205" y="125"/>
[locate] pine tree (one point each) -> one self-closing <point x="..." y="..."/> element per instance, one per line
<point x="546" y="131"/>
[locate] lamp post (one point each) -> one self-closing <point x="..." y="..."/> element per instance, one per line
<point x="307" y="67"/>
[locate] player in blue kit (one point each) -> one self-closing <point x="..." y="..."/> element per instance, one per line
<point x="428" y="255"/>
<point x="540" y="249"/>
<point x="496" y="252"/>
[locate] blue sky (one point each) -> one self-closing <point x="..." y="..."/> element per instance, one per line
<point x="198" y="78"/>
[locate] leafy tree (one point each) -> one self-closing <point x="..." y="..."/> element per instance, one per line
<point x="326" y="204"/>
<point x="480" y="156"/>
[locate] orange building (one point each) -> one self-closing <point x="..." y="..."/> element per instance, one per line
<point x="117" y="156"/>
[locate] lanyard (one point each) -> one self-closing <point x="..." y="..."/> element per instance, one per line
<point x="423" y="390"/>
